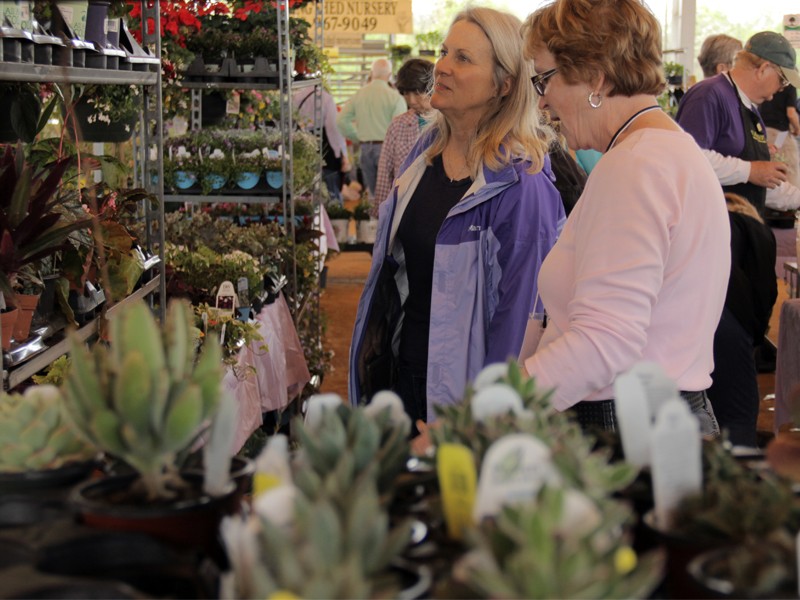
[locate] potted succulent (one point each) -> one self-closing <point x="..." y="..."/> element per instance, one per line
<point x="736" y="504"/>
<point x="328" y="504"/>
<point x="145" y="400"/>
<point x="340" y="220"/>
<point x="561" y="545"/>
<point x="366" y="225"/>
<point x="37" y="445"/>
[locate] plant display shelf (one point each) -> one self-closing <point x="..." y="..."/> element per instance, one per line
<point x="40" y="357"/>
<point x="57" y="74"/>
<point x="14" y="376"/>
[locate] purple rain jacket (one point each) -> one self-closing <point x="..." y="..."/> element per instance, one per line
<point x="488" y="254"/>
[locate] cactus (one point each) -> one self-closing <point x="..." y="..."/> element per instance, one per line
<point x="34" y="434"/>
<point x="144" y="399"/>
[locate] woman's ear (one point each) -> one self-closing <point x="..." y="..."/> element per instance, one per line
<point x="505" y="89"/>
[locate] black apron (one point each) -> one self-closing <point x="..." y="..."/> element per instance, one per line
<point x="755" y="148"/>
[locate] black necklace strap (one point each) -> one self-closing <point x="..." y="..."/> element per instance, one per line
<point x="627" y="123"/>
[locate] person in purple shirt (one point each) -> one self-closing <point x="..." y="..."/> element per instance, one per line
<point x="720" y="113"/>
<point x="464" y="230"/>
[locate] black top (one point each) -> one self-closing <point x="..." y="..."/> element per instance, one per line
<point x="752" y="287"/>
<point x="774" y="111"/>
<point x="426" y="211"/>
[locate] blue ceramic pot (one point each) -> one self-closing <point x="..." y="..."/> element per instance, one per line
<point x="184" y="179"/>
<point x="216" y="181"/>
<point x="247" y="180"/>
<point x="275" y="179"/>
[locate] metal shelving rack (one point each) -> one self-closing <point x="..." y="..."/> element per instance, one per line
<point x="286" y="86"/>
<point x="150" y="137"/>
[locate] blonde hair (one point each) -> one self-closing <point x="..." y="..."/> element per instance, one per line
<point x="619" y="38"/>
<point x="510" y="129"/>
<point x="739" y="204"/>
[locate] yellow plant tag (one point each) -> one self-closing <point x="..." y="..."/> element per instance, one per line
<point x="263" y="482"/>
<point x="457" y="481"/>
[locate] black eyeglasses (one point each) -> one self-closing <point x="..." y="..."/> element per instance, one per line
<point x="540" y="81"/>
<point x="784" y="81"/>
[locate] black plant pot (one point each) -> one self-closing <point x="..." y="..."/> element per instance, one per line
<point x="188" y="523"/>
<point x="213" y="109"/>
<point x="134" y="559"/>
<point x="90" y="128"/>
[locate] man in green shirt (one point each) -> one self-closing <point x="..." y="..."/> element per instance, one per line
<point x="367" y="115"/>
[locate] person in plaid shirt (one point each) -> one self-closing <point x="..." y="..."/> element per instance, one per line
<point x="413" y="81"/>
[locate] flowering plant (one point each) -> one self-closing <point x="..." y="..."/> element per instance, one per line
<point x="237" y="333"/>
<point x="112" y="103"/>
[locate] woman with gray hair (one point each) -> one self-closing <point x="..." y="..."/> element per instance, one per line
<point x="717" y="54"/>
<point x="464" y="230"/>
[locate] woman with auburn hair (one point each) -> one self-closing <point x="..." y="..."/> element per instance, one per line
<point x="464" y="230"/>
<point x="640" y="270"/>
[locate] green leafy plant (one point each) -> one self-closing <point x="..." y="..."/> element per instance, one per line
<point x="34" y="434"/>
<point x="56" y="372"/>
<point x="143" y="399"/>
<point x="362" y="211"/>
<point x="31" y="227"/>
<point x="337" y="211"/>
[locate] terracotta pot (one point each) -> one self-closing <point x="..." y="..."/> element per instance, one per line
<point x="7" y="322"/>
<point x="26" y="303"/>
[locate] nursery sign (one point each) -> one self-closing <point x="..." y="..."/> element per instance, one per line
<point x="362" y="16"/>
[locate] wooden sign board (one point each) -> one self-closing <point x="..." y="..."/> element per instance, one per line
<point x="362" y="16"/>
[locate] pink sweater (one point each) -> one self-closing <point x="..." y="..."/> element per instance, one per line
<point x="640" y="271"/>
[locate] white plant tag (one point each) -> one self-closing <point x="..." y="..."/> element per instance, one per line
<point x="633" y="415"/>
<point x="676" y="458"/>
<point x="513" y="470"/>
<point x="658" y="388"/>
<point x="227" y="300"/>
<point x="316" y="407"/>
<point x="494" y="400"/>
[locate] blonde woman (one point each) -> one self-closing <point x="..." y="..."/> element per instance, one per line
<point x="464" y="230"/>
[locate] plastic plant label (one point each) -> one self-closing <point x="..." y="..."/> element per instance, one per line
<point x="633" y="417"/>
<point x="676" y="458"/>
<point x="494" y="400"/>
<point x="112" y="25"/>
<point x="457" y="480"/>
<point x="514" y="469"/>
<point x="227" y="300"/>
<point x="233" y="104"/>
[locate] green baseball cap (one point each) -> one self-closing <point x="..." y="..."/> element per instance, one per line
<point x="775" y="48"/>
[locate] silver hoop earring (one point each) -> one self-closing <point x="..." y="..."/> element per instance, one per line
<point x="599" y="100"/>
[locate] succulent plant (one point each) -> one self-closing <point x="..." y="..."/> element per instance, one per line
<point x="736" y="503"/>
<point x="344" y="444"/>
<point x="562" y="545"/>
<point x="331" y="512"/>
<point x="573" y="452"/>
<point x="143" y="399"/>
<point x="34" y="434"/>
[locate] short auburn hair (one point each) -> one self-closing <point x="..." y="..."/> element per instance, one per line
<point x="620" y="39"/>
